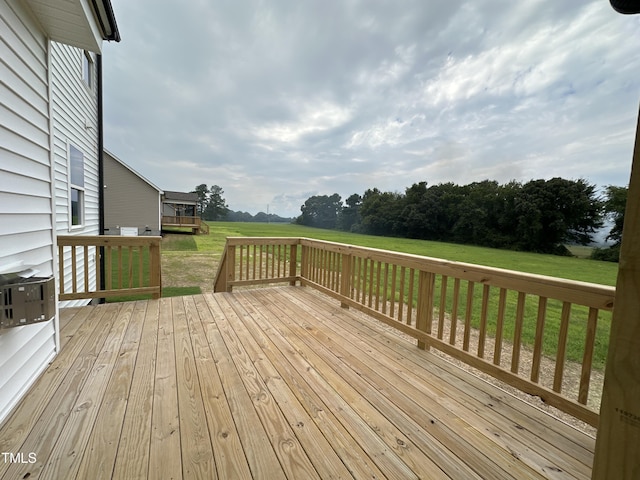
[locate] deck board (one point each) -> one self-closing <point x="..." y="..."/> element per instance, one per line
<point x="270" y="383"/>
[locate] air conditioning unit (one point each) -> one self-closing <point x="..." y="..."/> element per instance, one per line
<point x="27" y="301"/>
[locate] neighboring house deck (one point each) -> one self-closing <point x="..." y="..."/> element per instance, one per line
<point x="179" y="209"/>
<point x="270" y="383"/>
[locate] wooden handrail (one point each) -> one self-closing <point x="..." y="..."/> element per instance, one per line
<point x="132" y="266"/>
<point x="443" y="304"/>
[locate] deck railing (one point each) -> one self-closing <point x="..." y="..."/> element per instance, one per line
<point x="131" y="266"/>
<point x="181" y="220"/>
<point x="520" y="328"/>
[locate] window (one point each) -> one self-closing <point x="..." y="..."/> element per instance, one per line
<point x="87" y="69"/>
<point x="76" y="186"/>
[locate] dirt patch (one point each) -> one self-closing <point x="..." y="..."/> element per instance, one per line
<point x="186" y="269"/>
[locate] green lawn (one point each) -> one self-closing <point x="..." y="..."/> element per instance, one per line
<point x="566" y="267"/>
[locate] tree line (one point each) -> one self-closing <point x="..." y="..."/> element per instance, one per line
<point x="537" y="216"/>
<point x="211" y="204"/>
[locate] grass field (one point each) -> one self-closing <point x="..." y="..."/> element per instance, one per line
<point x="574" y="268"/>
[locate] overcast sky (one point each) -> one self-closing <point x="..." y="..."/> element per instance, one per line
<point x="275" y="101"/>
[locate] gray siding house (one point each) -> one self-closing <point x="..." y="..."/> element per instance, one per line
<point x="130" y="200"/>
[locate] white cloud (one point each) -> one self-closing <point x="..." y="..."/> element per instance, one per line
<point x="274" y="101"/>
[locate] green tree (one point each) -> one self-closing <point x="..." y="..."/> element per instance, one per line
<point x="614" y="206"/>
<point x="380" y="212"/>
<point x="216" y="208"/>
<point x="203" y="192"/>
<point x="320" y="211"/>
<point x="349" y="215"/>
<point x="550" y="213"/>
<point x="615" y="202"/>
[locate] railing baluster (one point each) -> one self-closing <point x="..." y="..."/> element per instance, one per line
<point x="517" y="333"/>
<point x="484" y="313"/>
<point x="467" y="317"/>
<point x="130" y="264"/>
<point x="140" y="266"/>
<point x="74" y="270"/>
<point x="253" y="261"/>
<point x="443" y="306"/>
<point x="98" y="268"/>
<point x="587" y="360"/>
<point x="357" y="276"/>
<point x="384" y="286"/>
<point x="61" y="268"/>
<point x="279" y="259"/>
<point x="363" y="292"/>
<point x="85" y="263"/>
<point x="120" y="266"/>
<point x="273" y="260"/>
<point x="562" y="347"/>
<point x="497" y="347"/>
<point x="410" y="295"/>
<point x="108" y="253"/>
<point x="378" y="273"/>
<point x="371" y="271"/>
<point x="454" y="311"/>
<point x="393" y="291"/>
<point x="537" y="346"/>
<point x="401" y="294"/>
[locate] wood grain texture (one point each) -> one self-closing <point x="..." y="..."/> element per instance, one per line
<point x="271" y="383"/>
<point x="619" y="432"/>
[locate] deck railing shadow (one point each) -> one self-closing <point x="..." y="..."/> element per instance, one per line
<point x="440" y="303"/>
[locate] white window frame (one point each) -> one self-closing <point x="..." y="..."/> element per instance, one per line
<point x="87" y="69"/>
<point x="79" y="187"/>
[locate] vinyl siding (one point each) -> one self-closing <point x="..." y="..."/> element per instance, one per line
<point x="75" y="122"/>
<point x="129" y="200"/>
<point x="26" y="223"/>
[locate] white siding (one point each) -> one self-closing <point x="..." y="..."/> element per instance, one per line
<point x="25" y="188"/>
<point x="75" y="122"/>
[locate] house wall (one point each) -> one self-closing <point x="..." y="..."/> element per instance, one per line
<point x="129" y="200"/>
<point x="75" y="122"/>
<point x="26" y="213"/>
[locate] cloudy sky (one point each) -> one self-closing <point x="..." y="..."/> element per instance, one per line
<point x="278" y="100"/>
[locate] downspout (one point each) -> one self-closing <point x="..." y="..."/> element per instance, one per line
<point x="100" y="171"/>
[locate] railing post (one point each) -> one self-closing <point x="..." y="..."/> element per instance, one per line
<point x="230" y="274"/>
<point x="424" y="315"/>
<point x="155" y="275"/>
<point x="616" y="452"/>
<point x="345" y="278"/>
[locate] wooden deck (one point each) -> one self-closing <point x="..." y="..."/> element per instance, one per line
<point x="269" y="383"/>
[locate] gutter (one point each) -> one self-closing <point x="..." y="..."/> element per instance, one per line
<point x="107" y="19"/>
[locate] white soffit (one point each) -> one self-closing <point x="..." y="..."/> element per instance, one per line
<point x="69" y="21"/>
